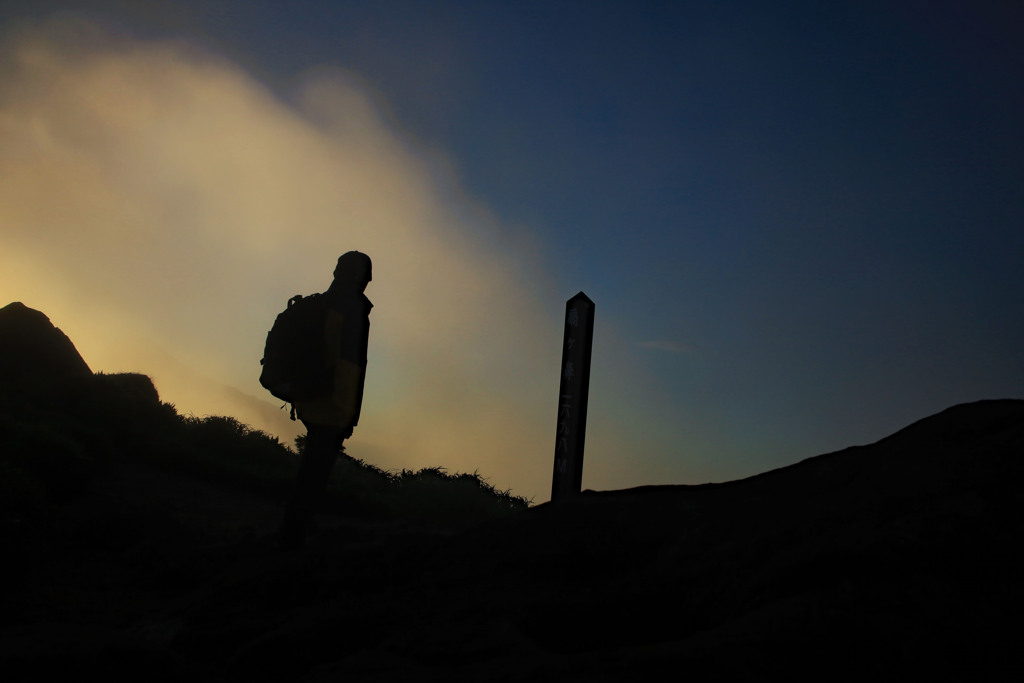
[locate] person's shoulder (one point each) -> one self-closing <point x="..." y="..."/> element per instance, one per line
<point x="354" y="303"/>
<point x="333" y="300"/>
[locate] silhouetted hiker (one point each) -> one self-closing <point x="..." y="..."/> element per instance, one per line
<point x="330" y="416"/>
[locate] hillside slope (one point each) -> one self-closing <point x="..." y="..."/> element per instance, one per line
<point x="886" y="561"/>
<point x="899" y="557"/>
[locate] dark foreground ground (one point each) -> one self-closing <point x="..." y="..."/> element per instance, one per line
<point x="895" y="560"/>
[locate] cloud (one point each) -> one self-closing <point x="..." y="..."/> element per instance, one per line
<point x="161" y="206"/>
<point x="674" y="347"/>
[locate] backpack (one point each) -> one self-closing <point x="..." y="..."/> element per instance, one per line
<point x="293" y="358"/>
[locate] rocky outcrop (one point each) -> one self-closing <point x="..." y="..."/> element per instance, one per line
<point x="33" y="352"/>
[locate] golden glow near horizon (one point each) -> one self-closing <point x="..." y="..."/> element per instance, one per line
<point x="161" y="206"/>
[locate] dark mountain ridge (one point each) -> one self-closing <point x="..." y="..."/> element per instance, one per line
<point x="896" y="559"/>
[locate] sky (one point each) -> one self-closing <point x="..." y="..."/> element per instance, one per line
<point x="800" y="222"/>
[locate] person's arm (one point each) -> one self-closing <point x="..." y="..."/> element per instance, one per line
<point x="347" y="375"/>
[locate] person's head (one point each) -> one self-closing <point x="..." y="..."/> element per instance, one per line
<point x="354" y="271"/>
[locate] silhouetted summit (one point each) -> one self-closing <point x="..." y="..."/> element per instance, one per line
<point x="33" y="351"/>
<point x="140" y="542"/>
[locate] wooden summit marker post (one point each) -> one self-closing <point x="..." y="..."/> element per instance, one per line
<point x="573" y="390"/>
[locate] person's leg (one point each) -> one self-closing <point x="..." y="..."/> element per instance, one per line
<point x="322" y="445"/>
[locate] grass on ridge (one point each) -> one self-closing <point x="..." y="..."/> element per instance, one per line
<point x="53" y="443"/>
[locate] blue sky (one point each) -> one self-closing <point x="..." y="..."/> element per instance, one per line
<point x="801" y="223"/>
